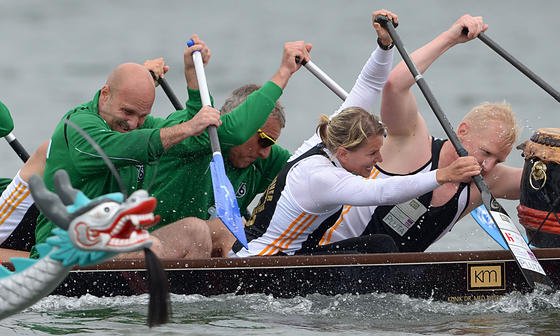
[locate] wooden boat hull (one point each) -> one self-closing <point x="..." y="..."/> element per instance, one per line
<point x="447" y="276"/>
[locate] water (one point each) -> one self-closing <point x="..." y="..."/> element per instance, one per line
<point x="258" y="314"/>
<point x="55" y="55"/>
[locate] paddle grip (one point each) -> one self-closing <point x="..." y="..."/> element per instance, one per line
<point x="300" y="61"/>
<point x="382" y="20"/>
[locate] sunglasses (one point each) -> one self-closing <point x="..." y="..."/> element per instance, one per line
<point x="264" y="139"/>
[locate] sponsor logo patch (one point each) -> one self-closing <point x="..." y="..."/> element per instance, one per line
<point x="486" y="277"/>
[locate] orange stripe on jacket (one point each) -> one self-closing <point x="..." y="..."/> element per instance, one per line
<point x="326" y="239"/>
<point x="298" y="231"/>
<point x="273" y="244"/>
<point x="16" y="197"/>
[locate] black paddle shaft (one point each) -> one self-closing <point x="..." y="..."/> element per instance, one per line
<point x="490" y="203"/>
<point x="18" y="148"/>
<point x="520" y="66"/>
<point x="170" y="94"/>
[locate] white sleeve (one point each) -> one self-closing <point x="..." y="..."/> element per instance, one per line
<point x="337" y="187"/>
<point x="370" y="82"/>
<point x="365" y="93"/>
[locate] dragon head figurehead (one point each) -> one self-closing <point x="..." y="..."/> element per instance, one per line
<point x="108" y="223"/>
<point x="92" y="230"/>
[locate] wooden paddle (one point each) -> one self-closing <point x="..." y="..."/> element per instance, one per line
<point x="525" y="258"/>
<point x="6" y="128"/>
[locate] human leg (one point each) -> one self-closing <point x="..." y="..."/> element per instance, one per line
<point x="222" y="238"/>
<point x="186" y="238"/>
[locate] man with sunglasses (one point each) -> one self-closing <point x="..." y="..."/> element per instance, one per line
<point x="181" y="180"/>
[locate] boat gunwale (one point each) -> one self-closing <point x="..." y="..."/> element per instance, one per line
<point x="306" y="261"/>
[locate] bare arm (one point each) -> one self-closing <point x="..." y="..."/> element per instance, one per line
<point x="36" y="163"/>
<point x="205" y="117"/>
<point x="399" y="110"/>
<point x="288" y="65"/>
<point x="190" y="72"/>
<point x="505" y="181"/>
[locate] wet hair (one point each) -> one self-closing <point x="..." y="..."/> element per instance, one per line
<point x="349" y="129"/>
<point x="480" y="116"/>
<point x="240" y="94"/>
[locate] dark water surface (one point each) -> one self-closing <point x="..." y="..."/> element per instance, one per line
<point x="56" y="54"/>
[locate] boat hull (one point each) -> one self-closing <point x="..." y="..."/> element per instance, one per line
<point x="446" y="276"/>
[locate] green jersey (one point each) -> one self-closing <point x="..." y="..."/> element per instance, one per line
<point x="70" y="151"/>
<point x="181" y="181"/>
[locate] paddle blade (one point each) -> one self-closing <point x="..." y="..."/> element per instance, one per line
<point x="6" y="122"/>
<point x="525" y="258"/>
<point x="224" y="197"/>
<point x="159" y="307"/>
<point x="485" y="221"/>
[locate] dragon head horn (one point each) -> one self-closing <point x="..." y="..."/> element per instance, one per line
<point x="49" y="203"/>
<point x="64" y="188"/>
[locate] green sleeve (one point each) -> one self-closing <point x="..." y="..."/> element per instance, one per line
<point x="194" y="104"/>
<point x="244" y="121"/>
<point x="4" y="182"/>
<point x="237" y="126"/>
<point x="153" y="122"/>
<point x="134" y="147"/>
<point x="6" y="122"/>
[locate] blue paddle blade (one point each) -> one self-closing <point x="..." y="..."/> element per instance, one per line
<point x="482" y="217"/>
<point x="224" y="197"/>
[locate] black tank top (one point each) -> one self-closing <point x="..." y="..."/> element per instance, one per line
<point x="424" y="230"/>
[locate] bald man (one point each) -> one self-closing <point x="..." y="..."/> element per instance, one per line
<point x="118" y="119"/>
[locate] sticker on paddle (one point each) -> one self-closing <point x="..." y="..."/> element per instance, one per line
<point x="517" y="244"/>
<point x="482" y="217"/>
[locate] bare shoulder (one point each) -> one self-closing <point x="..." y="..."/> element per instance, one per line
<point x="405" y="154"/>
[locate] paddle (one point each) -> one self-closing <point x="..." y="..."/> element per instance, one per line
<point x="480" y="215"/>
<point x="526" y="260"/>
<point x="6" y="128"/>
<point x="224" y="196"/>
<point x="520" y="66"/>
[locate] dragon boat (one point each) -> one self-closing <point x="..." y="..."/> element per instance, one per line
<point x="445" y="276"/>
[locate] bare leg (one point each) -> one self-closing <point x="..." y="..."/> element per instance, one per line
<point x="6" y="254"/>
<point x="186" y="238"/>
<point x="156" y="247"/>
<point x="222" y="238"/>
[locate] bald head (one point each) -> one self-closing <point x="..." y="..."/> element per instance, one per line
<point x="127" y="97"/>
<point x="131" y="76"/>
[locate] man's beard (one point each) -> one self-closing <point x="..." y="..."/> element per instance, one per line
<point x="123" y="125"/>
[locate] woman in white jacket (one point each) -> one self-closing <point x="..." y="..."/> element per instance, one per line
<point x="309" y="192"/>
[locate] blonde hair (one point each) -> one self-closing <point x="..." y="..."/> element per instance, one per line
<point x="349" y="129"/>
<point x="480" y="116"/>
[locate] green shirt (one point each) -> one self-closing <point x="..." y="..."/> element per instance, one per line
<point x="70" y="151"/>
<point x="181" y="181"/>
<point x="4" y="182"/>
<point x="6" y="122"/>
